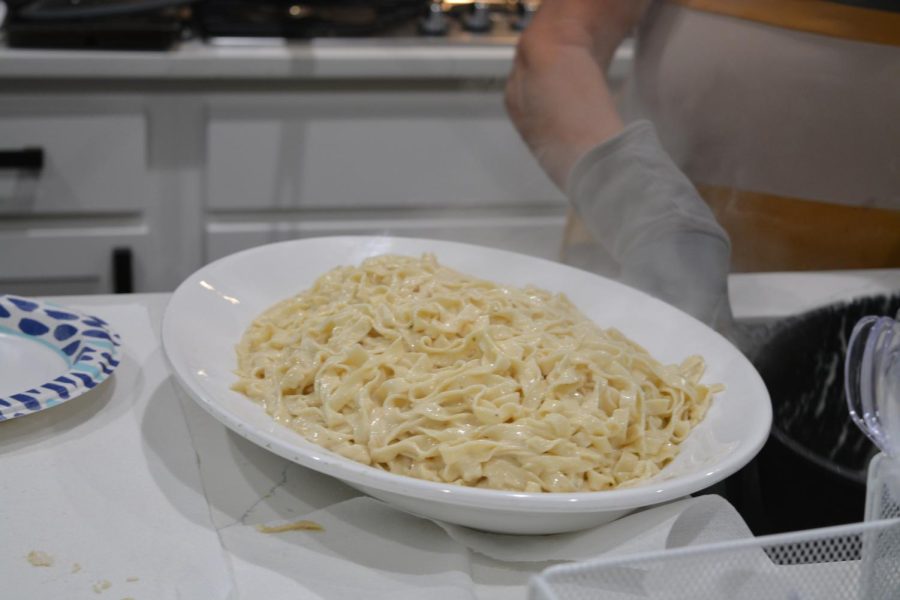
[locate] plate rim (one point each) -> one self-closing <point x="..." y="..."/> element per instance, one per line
<point x="76" y="381"/>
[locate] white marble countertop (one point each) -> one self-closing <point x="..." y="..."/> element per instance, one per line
<point x="135" y="492"/>
<point x="768" y="296"/>
<point x="375" y="58"/>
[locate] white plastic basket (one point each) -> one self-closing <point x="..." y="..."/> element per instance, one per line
<point x="858" y="562"/>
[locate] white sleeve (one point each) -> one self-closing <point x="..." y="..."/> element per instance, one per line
<point x="643" y="210"/>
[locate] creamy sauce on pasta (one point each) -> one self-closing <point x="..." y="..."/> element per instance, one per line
<point x="411" y="367"/>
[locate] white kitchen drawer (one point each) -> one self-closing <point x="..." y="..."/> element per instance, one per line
<point x="77" y="260"/>
<point x="369" y="149"/>
<point x="94" y="154"/>
<point x="537" y="236"/>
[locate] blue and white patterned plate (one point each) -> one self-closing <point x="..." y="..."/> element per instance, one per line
<point x="86" y="349"/>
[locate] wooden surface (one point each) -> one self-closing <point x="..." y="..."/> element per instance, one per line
<point x="772" y="233"/>
<point x="811" y="16"/>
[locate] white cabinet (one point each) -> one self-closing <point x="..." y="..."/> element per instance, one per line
<point x="93" y="151"/>
<point x="168" y="181"/>
<point x="72" y="259"/>
<point x="72" y="220"/>
<point x="360" y="148"/>
<point x="176" y="159"/>
<point x="437" y="163"/>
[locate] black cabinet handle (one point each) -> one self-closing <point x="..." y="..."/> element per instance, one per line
<point x="27" y="159"/>
<point x="122" y="271"/>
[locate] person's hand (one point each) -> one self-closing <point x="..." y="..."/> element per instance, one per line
<point x="556" y="94"/>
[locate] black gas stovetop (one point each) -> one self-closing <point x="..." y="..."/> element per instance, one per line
<point x="159" y="24"/>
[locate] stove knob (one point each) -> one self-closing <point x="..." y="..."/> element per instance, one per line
<point x="524" y="13"/>
<point x="479" y="18"/>
<point x="435" y="21"/>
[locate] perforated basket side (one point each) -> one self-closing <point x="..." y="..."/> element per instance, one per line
<point x="852" y="561"/>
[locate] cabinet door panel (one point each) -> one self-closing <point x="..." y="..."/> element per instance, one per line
<point x="76" y="261"/>
<point x="94" y="161"/>
<point x="333" y="150"/>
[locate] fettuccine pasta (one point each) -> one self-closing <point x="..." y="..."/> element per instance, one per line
<point x="414" y="368"/>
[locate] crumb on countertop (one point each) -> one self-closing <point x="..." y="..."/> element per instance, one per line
<point x="296" y="526"/>
<point x="132" y="579"/>
<point x="38" y="558"/>
<point x="101" y="586"/>
<point x="76" y="567"/>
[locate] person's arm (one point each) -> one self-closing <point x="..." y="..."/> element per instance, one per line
<point x="644" y="211"/>
<point x="628" y="192"/>
<point x="556" y="94"/>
